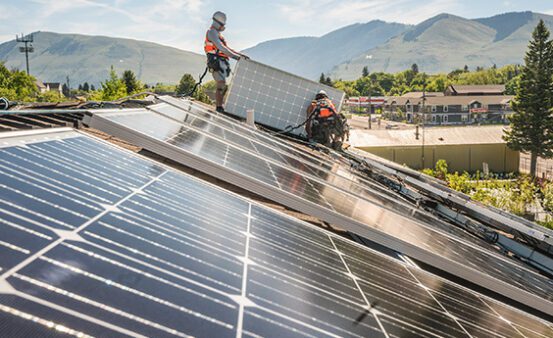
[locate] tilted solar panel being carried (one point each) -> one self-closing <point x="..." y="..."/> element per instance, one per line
<point x="207" y="149"/>
<point x="279" y="99"/>
<point x="98" y="241"/>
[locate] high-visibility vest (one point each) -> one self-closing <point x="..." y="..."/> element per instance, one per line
<point x="325" y="108"/>
<point x="210" y="48"/>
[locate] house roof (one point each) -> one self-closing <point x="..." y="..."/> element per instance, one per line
<point x="420" y="94"/>
<point x="52" y="84"/>
<point x="485" y="89"/>
<point x="452" y="100"/>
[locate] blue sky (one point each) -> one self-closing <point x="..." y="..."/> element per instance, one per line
<point x="182" y="23"/>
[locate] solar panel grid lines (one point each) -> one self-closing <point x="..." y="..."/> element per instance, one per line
<point x="341" y="182"/>
<point x="507" y="272"/>
<point x="279" y="99"/>
<point x="134" y="281"/>
<point x="178" y="116"/>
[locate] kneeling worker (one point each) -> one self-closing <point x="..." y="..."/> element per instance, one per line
<point x="325" y="125"/>
<point x="218" y="54"/>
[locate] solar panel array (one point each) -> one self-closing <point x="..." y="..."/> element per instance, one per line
<point x="221" y="152"/>
<point x="97" y="241"/>
<point x="279" y="99"/>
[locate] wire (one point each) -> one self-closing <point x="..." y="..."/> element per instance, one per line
<point x="291" y="128"/>
<point x="4" y="103"/>
<point x="196" y="85"/>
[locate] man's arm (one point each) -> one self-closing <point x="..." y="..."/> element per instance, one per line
<point x="213" y="36"/>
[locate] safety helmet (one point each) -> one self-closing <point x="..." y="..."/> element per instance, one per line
<point x="321" y="94"/>
<point x="220" y="18"/>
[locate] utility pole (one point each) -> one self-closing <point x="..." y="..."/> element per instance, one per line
<point x="423" y="119"/>
<point x="28" y="41"/>
<point x="370" y="101"/>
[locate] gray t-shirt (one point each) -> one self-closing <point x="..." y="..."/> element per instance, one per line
<point x="213" y="36"/>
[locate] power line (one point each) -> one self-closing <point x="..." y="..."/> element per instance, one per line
<point x="28" y="41"/>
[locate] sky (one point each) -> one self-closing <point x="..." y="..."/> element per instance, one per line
<point x="183" y="23"/>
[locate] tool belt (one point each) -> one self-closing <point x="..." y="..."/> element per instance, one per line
<point x="214" y="63"/>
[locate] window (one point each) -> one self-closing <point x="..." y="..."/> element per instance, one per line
<point x="445" y="118"/>
<point x="434" y="118"/>
<point x="446" y="109"/>
<point x="433" y="109"/>
<point x="464" y="117"/>
<point x="465" y="107"/>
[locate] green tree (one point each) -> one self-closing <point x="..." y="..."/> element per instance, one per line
<point x="86" y="87"/>
<point x="415" y="68"/>
<point x="186" y="84"/>
<point x="114" y="88"/>
<point x="92" y="88"/>
<point x="131" y="83"/>
<point x="322" y="78"/>
<point x="365" y="71"/>
<point x="532" y="122"/>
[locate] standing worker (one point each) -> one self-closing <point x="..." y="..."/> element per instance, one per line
<point x="218" y="54"/>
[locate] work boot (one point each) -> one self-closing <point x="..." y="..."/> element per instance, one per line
<point x="220" y="109"/>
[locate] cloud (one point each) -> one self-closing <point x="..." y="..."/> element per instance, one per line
<point x="349" y="11"/>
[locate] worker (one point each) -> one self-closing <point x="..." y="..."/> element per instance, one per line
<point x="218" y="54"/>
<point x="324" y="124"/>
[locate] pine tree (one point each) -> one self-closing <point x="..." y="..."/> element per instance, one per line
<point x="532" y="123"/>
<point x="92" y="88"/>
<point x="80" y="87"/>
<point x="322" y="79"/>
<point x="466" y="69"/>
<point x="328" y="81"/>
<point x="86" y="87"/>
<point x="131" y="83"/>
<point x="114" y="88"/>
<point x="415" y="68"/>
<point x="365" y="71"/>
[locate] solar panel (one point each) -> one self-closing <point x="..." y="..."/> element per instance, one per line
<point x="279" y="99"/>
<point x="206" y="150"/>
<point x="98" y="241"/>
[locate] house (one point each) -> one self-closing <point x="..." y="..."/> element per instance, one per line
<point x="474" y="90"/>
<point x="44" y="87"/>
<point x="458" y="104"/>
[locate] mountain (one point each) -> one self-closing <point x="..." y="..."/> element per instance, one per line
<point x="88" y="58"/>
<point x="309" y="56"/>
<point x="448" y="42"/>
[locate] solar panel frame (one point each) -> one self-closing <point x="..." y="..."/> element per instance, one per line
<point x="279" y="99"/>
<point x="390" y="239"/>
<point x="275" y="232"/>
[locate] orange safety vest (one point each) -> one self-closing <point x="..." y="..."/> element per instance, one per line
<point x="210" y="48"/>
<point x="325" y="108"/>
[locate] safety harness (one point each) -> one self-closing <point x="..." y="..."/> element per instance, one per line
<point x="215" y="56"/>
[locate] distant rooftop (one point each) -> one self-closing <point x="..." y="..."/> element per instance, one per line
<point x="432" y="136"/>
<point x="475" y="90"/>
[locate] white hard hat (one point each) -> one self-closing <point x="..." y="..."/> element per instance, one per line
<point x="220" y="18"/>
<point x="322" y="92"/>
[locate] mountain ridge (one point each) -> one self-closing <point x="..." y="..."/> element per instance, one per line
<point x="87" y="58"/>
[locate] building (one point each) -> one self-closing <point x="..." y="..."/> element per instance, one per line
<point x="458" y="105"/>
<point x="464" y="149"/>
<point x="44" y="87"/>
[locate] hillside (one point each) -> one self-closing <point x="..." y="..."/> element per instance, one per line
<point x="447" y="42"/>
<point x="88" y="58"/>
<point x="309" y="56"/>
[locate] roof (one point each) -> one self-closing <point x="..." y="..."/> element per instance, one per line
<point x="433" y="136"/>
<point x="467" y="89"/>
<point x="420" y="94"/>
<point x="452" y="100"/>
<point x="53" y="84"/>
